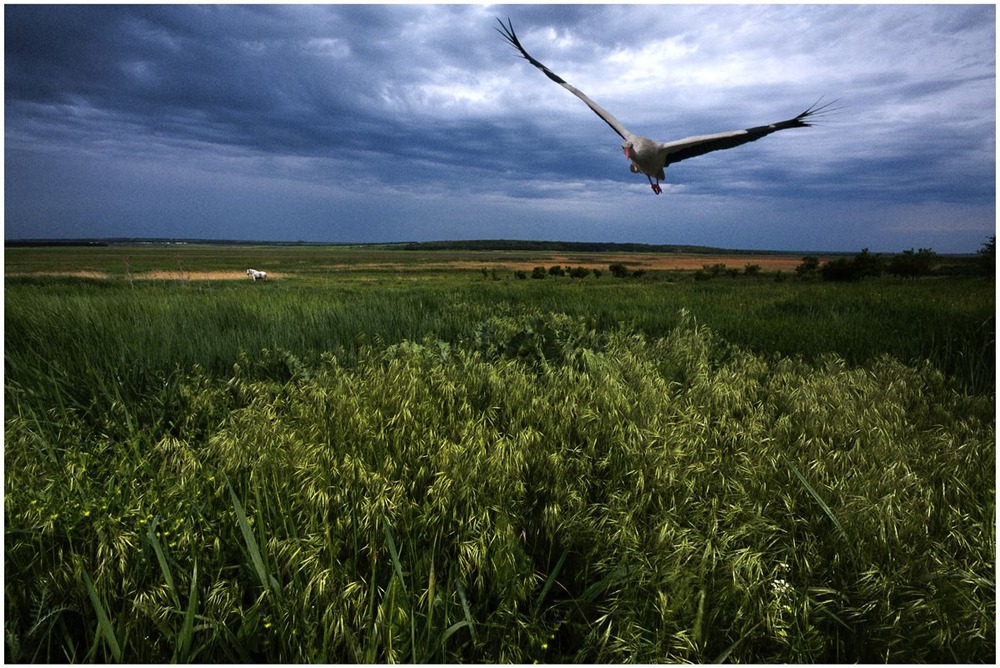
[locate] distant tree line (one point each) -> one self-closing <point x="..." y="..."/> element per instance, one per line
<point x="617" y="269"/>
<point x="907" y="264"/>
<point x="574" y="246"/>
<point x="33" y="243"/>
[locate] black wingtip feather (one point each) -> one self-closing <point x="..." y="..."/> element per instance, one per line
<point x="817" y="112"/>
<point x="507" y="31"/>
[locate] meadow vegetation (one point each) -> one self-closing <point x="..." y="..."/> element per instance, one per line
<point x="381" y="465"/>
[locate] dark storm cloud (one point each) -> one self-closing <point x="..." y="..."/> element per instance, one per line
<point x="421" y="113"/>
<point x="210" y="74"/>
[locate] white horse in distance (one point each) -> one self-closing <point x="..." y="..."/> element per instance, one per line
<point x="257" y="275"/>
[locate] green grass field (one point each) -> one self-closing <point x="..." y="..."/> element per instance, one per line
<point x="382" y="456"/>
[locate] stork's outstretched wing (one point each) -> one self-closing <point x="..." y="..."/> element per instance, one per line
<point x="690" y="147"/>
<point x="508" y="32"/>
<point x="650" y="157"/>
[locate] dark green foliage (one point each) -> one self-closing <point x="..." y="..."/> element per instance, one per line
<point x="537" y="489"/>
<point x="862" y="265"/>
<point x="618" y="270"/>
<point x="64" y="337"/>
<point x="714" y="270"/>
<point x="621" y="270"/>
<point x="538" y="272"/>
<point x="709" y="271"/>
<point x="912" y="265"/>
<point x="840" y="269"/>
<point x="809" y="267"/>
<point x="987" y="255"/>
<point x="556" y="270"/>
<point x="869" y="265"/>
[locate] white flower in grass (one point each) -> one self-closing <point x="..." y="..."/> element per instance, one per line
<point x="781" y="587"/>
<point x="783" y="593"/>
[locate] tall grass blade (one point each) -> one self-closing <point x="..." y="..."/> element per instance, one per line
<point x="822" y="504"/>
<point x="700" y="618"/>
<point x="431" y="584"/>
<point x="450" y="631"/>
<point x="394" y="555"/>
<point x="372" y="617"/>
<point x="729" y="650"/>
<point x="549" y="581"/>
<point x="103" y="623"/>
<point x="591" y="593"/>
<point x="251" y="542"/>
<point x="161" y="558"/>
<point x="465" y="609"/>
<point x="183" y="653"/>
<point x="398" y="567"/>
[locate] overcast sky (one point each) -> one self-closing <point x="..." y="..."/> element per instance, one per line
<point x="369" y="123"/>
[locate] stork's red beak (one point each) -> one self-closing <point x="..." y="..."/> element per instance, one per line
<point x="626" y="152"/>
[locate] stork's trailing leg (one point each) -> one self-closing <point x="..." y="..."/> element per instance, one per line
<point x="655" y="186"/>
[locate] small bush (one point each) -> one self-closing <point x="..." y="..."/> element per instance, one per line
<point x="867" y="264"/>
<point x="841" y="269"/>
<point x="714" y="270"/>
<point x="909" y="264"/>
<point x="809" y="268"/>
<point x="988" y="257"/>
<point x="862" y="265"/>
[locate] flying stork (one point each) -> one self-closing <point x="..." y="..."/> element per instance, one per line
<point x="650" y="157"/>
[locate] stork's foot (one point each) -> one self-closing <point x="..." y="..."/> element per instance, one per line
<point x="656" y="188"/>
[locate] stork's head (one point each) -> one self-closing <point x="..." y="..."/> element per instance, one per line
<point x="627" y="149"/>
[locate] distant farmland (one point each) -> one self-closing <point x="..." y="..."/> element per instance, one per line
<point x="160" y="261"/>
